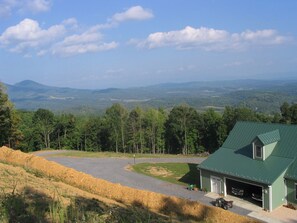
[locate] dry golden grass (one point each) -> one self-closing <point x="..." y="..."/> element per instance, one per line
<point x="158" y="203"/>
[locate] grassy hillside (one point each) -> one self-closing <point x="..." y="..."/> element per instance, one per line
<point x="28" y="196"/>
<point x="37" y="190"/>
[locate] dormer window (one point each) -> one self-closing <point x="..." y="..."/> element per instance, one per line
<point x="258" y="152"/>
<point x="264" y="144"/>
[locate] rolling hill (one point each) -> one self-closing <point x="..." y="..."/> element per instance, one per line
<point x="260" y="95"/>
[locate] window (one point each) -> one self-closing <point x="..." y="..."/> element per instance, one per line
<point x="258" y="152"/>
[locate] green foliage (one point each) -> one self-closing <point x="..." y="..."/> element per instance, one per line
<point x="10" y="135"/>
<point x="116" y="117"/>
<point x="182" y="129"/>
<point x="43" y="121"/>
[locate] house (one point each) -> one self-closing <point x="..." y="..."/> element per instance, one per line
<point x="258" y="162"/>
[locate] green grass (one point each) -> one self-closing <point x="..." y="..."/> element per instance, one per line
<point x="178" y="173"/>
<point x="116" y="155"/>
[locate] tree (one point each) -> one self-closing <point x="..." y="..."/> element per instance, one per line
<point x="31" y="140"/>
<point x="213" y="130"/>
<point x="181" y="129"/>
<point x="64" y="128"/>
<point x="135" y="124"/>
<point x="116" y="117"/>
<point x="154" y="125"/>
<point x="231" y="115"/>
<point x="9" y="120"/>
<point x="293" y="113"/>
<point x="92" y="134"/>
<point x="286" y="113"/>
<point x="43" y="120"/>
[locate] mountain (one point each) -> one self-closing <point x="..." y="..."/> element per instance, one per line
<point x="261" y="95"/>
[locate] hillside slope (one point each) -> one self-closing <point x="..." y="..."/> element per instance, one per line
<point x="66" y="193"/>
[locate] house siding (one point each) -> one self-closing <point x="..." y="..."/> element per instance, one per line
<point x="291" y="192"/>
<point x="269" y="149"/>
<point x="278" y="191"/>
<point x="206" y="184"/>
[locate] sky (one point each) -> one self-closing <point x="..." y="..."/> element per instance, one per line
<point x="128" y="43"/>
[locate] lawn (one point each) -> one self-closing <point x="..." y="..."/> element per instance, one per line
<point x="74" y="153"/>
<point x="177" y="173"/>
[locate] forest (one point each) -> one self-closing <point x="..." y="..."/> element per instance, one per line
<point x="180" y="130"/>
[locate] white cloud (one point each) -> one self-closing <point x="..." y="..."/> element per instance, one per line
<point x="29" y="34"/>
<point x="186" y="37"/>
<point x="7" y="7"/>
<point x="133" y="13"/>
<point x="37" y="5"/>
<point x="70" y="50"/>
<point x="71" y="22"/>
<point x="87" y="42"/>
<point x="211" y="39"/>
<point x="266" y="36"/>
<point x="61" y="39"/>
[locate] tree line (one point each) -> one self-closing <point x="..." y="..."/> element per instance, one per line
<point x="182" y="130"/>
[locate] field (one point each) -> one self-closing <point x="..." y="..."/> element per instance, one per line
<point x="178" y="173"/>
<point x="34" y="189"/>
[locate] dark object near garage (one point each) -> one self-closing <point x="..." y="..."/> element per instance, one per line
<point x="237" y="191"/>
<point x="221" y="202"/>
<point x="257" y="197"/>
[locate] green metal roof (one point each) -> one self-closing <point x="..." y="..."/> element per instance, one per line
<point x="233" y="163"/>
<point x="269" y="137"/>
<point x="235" y="157"/>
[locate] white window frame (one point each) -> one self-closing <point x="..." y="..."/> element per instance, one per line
<point x="255" y="147"/>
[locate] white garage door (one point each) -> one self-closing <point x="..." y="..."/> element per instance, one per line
<point x="215" y="185"/>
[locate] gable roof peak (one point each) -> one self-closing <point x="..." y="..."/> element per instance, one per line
<point x="269" y="137"/>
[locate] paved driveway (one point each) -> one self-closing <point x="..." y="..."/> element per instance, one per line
<point x="114" y="170"/>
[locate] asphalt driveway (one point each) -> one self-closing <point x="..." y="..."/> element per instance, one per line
<point x="114" y="170"/>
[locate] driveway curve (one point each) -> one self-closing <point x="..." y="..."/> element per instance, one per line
<point x="114" y="170"/>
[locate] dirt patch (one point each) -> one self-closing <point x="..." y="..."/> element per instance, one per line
<point x="129" y="167"/>
<point x="158" y="203"/>
<point x="159" y="171"/>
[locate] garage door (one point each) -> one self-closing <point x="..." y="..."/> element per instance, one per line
<point x="215" y="184"/>
<point x="246" y="191"/>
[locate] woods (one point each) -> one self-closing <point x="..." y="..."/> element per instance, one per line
<point x="181" y="130"/>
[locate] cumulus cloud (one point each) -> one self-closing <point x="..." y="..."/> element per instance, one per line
<point x="211" y="39"/>
<point x="37" y="5"/>
<point x="133" y="13"/>
<point x="28" y="34"/>
<point x="7" y="7"/>
<point x="87" y="42"/>
<point x="72" y="22"/>
<point x="61" y="39"/>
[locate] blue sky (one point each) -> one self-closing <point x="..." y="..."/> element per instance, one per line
<point x="100" y="44"/>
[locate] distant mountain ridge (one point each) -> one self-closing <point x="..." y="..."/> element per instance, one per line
<point x="261" y="95"/>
